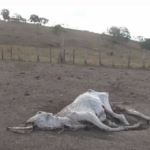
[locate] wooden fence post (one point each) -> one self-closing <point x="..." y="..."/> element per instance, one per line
<point x="64" y="55"/>
<point x="37" y="29"/>
<point x="85" y="58"/>
<point x="11" y="52"/>
<point x="38" y="54"/>
<point x="29" y="55"/>
<point x="50" y="54"/>
<point x="143" y="58"/>
<point x="100" y="62"/>
<point x="113" y="56"/>
<point x="129" y="57"/>
<point x="18" y="54"/>
<point x="2" y="53"/>
<point x="73" y="56"/>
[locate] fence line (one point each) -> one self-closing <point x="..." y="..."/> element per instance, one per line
<point x="83" y="58"/>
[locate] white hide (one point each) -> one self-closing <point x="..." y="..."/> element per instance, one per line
<point x="90" y="101"/>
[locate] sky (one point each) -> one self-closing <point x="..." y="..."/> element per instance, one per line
<point x="92" y="15"/>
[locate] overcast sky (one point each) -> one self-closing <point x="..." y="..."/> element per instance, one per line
<point x="91" y="15"/>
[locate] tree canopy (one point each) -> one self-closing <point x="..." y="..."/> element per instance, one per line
<point x="44" y="20"/>
<point x="5" y="13"/>
<point x="34" y="18"/>
<point x="16" y="15"/>
<point x="58" y="30"/>
<point x="145" y="44"/>
<point x="120" y="34"/>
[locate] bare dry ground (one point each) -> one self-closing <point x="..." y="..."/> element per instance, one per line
<point x="26" y="88"/>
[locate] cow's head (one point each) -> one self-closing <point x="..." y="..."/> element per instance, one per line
<point x="41" y="120"/>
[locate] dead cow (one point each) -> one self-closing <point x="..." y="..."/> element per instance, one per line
<point x="91" y="107"/>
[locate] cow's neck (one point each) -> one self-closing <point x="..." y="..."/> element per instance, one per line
<point x="61" y="121"/>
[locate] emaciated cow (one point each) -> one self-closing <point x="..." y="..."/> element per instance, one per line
<point x="89" y="108"/>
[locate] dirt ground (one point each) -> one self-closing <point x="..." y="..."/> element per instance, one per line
<point x="26" y="88"/>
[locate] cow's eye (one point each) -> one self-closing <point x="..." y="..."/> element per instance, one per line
<point x="39" y="112"/>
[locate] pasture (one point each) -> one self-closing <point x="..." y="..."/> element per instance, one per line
<point x="27" y="87"/>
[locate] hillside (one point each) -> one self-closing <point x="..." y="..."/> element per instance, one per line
<point x="25" y="35"/>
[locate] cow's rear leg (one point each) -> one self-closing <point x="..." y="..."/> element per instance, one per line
<point x="92" y="118"/>
<point x="121" y="117"/>
<point x="133" y="112"/>
<point x="110" y="123"/>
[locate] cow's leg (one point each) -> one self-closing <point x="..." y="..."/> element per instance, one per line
<point x="110" y="123"/>
<point x="92" y="118"/>
<point x="121" y="117"/>
<point x="133" y="112"/>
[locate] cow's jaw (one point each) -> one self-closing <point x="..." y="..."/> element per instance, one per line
<point x="27" y="129"/>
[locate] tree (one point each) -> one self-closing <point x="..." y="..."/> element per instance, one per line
<point x="125" y="34"/>
<point x="145" y="44"/>
<point x="34" y="18"/>
<point x="5" y="13"/>
<point x="119" y="34"/>
<point x="18" y="16"/>
<point x="44" y="20"/>
<point x="115" y="32"/>
<point x="140" y="38"/>
<point x="59" y="31"/>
